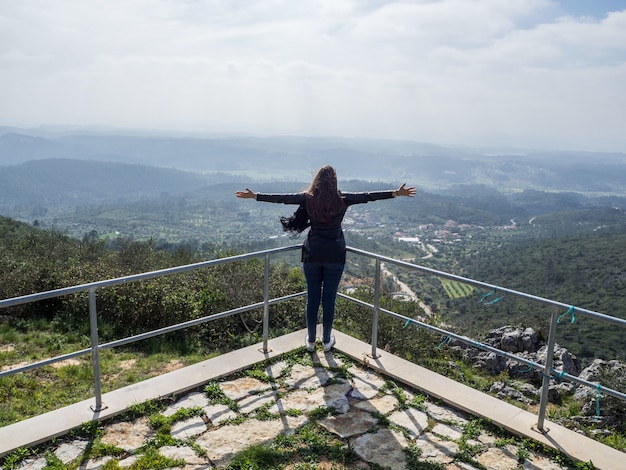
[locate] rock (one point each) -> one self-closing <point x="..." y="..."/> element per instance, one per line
<point x="365" y="384"/>
<point x="95" y="464"/>
<point x="506" y="392"/>
<point x="185" y="453"/>
<point x="276" y="370"/>
<point x="192" y="400"/>
<point x="253" y="402"/>
<point x="222" y="444"/>
<point x="514" y="340"/>
<point x="242" y="387"/>
<point x="384" y="447"/>
<point x="188" y="428"/>
<point x="442" y="413"/>
<point x="219" y="413"/>
<point x="436" y="450"/>
<point x="306" y="377"/>
<point x="384" y="405"/>
<point x="69" y="451"/>
<point x="499" y="459"/>
<point x="491" y="362"/>
<point x="335" y="396"/>
<point x="414" y="421"/>
<point x="541" y="463"/>
<point x="447" y="431"/>
<point x="349" y="424"/>
<point x="128" y="436"/>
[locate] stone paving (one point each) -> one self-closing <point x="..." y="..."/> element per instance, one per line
<point x="380" y="421"/>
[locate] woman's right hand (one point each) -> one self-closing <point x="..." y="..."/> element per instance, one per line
<point x="247" y="194"/>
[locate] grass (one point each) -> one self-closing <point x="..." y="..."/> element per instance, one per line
<point x="456" y="290"/>
<point x="47" y="388"/>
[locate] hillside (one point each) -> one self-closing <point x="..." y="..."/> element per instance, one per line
<point x="587" y="271"/>
<point x="61" y="183"/>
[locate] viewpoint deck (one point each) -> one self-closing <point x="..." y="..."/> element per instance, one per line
<point x="56" y="423"/>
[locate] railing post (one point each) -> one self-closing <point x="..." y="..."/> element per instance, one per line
<point x="547" y="372"/>
<point x="95" y="351"/>
<point x="266" y="305"/>
<point x="376" y="309"/>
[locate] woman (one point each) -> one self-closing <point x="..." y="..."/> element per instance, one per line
<point x="322" y="208"/>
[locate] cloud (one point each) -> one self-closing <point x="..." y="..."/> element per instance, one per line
<point x="518" y="72"/>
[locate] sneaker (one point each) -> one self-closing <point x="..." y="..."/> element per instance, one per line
<point x="328" y="346"/>
<point x="309" y="346"/>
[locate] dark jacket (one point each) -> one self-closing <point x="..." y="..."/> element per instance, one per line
<point x="325" y="241"/>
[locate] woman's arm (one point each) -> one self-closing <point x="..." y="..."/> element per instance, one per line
<point x="287" y="198"/>
<point x="361" y="198"/>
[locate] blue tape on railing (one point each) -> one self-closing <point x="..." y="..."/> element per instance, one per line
<point x="408" y="322"/>
<point x="558" y="374"/>
<point x="570" y="311"/>
<point x="497" y="299"/>
<point x="599" y="388"/>
<point x="447" y="340"/>
<point x="488" y="294"/>
<point x="523" y="371"/>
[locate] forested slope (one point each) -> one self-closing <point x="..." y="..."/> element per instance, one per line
<point x="587" y="271"/>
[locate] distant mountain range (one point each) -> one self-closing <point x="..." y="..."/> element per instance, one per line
<point x="284" y="158"/>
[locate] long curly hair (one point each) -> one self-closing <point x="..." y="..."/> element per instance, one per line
<point x="324" y="200"/>
<point x="323" y="203"/>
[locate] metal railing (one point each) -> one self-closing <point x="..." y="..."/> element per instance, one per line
<point x="546" y="369"/>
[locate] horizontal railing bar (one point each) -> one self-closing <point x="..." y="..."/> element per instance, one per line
<point x="503" y="290"/>
<point x="195" y="322"/>
<point x="45" y="362"/>
<point x="535" y="365"/>
<point x="138" y="277"/>
<point x="150" y="334"/>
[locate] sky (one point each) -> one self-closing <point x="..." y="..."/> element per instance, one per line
<point x="492" y="73"/>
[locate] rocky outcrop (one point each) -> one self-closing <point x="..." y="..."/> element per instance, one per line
<point x="525" y="343"/>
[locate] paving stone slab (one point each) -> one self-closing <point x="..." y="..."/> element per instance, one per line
<point x="335" y="396"/>
<point x="219" y="413"/>
<point x="413" y="420"/>
<point x="435" y="449"/>
<point x="301" y="400"/>
<point x="447" y="431"/>
<point x="307" y="377"/>
<point x="95" y="464"/>
<point x="366" y="384"/>
<point x="384" y="405"/>
<point x="350" y="424"/>
<point x="191" y="400"/>
<point x="128" y="461"/>
<point x="69" y="451"/>
<point x="34" y="464"/>
<point x="384" y="447"/>
<point x="188" y="428"/>
<point x="129" y="436"/>
<point x="537" y="462"/>
<point x="184" y="452"/>
<point x="253" y="402"/>
<point x="444" y="413"/>
<point x="242" y="387"/>
<point x="497" y="458"/>
<point x="224" y="443"/>
<point x="276" y="370"/>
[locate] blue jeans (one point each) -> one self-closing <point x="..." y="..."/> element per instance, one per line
<point x="322" y="282"/>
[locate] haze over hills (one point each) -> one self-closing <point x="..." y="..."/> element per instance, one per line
<point x="284" y="158"/>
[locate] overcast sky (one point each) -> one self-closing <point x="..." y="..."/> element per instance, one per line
<point x="529" y="73"/>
